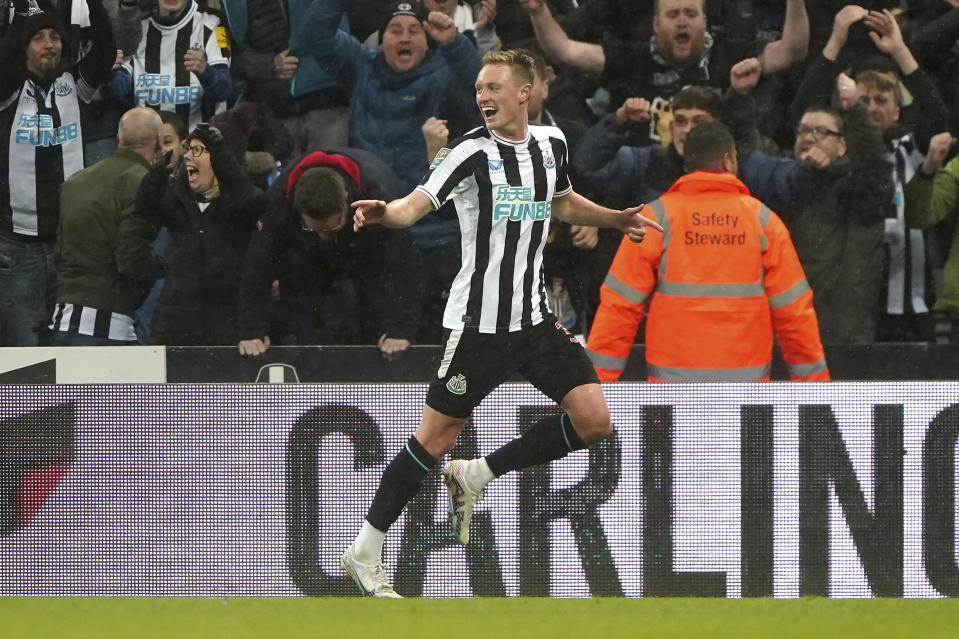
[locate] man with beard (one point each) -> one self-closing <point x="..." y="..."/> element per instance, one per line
<point x="40" y="96"/>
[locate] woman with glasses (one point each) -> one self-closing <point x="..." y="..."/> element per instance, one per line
<point x="210" y="209"/>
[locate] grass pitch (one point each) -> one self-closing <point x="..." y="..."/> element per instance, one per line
<point x="262" y="618"/>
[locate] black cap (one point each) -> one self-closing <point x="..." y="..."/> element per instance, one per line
<point x="412" y="8"/>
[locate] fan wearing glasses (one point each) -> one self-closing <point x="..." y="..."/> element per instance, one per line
<point x="308" y="278"/>
<point x="833" y="195"/>
<point x="210" y="210"/>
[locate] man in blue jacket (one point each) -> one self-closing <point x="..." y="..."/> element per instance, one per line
<point x="393" y="91"/>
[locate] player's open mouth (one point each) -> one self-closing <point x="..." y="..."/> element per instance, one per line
<point x="489" y="112"/>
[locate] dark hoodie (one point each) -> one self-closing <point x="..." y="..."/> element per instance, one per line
<point x="380" y="262"/>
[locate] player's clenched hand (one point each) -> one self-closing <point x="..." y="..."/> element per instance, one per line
<point x="635" y="225"/>
<point x="254" y="346"/>
<point x="367" y="212"/>
<point x="633" y="110"/>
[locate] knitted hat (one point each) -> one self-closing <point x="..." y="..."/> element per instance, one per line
<point x="33" y="21"/>
<point x="412" y="8"/>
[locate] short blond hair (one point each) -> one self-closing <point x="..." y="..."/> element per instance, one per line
<point x="881" y="81"/>
<point x="520" y="63"/>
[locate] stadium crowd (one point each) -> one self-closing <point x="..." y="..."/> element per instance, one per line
<point x="233" y="206"/>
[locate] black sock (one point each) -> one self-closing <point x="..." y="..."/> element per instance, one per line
<point x="400" y="482"/>
<point x="548" y="439"/>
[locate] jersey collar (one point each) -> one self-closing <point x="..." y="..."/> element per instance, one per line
<point x="516" y="143"/>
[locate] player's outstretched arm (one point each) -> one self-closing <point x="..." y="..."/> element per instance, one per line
<point x="398" y="214"/>
<point x="576" y="209"/>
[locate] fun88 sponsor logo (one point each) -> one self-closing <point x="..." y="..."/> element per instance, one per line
<point x="38" y="130"/>
<point x="158" y="88"/>
<point x="516" y="204"/>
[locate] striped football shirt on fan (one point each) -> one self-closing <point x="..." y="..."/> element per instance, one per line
<point x="83" y="320"/>
<point x="159" y="77"/>
<point x="502" y="191"/>
<point x="44" y="146"/>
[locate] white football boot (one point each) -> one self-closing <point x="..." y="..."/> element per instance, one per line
<point x="371" y="579"/>
<point x="463" y="498"/>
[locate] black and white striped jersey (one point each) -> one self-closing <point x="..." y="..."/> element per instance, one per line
<point x="43" y="147"/>
<point x="503" y="192"/>
<point x="159" y="78"/>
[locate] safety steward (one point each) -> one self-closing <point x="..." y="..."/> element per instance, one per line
<point x="721" y="279"/>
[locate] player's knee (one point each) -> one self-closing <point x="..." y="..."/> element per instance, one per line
<point x="594" y="430"/>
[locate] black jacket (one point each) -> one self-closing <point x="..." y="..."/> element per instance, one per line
<point x="380" y="263"/>
<point x="203" y="257"/>
<point x="835" y="217"/>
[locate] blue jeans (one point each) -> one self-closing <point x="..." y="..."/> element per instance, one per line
<point x="143" y="316"/>
<point x="28" y="290"/>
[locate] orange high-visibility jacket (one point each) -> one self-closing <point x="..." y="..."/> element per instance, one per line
<point x="719" y="281"/>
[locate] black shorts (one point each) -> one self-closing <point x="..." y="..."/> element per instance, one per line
<point x="475" y="363"/>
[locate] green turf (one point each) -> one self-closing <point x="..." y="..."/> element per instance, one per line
<point x="186" y="618"/>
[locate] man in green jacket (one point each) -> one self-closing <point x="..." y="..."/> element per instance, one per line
<point x="932" y="196"/>
<point x="95" y="302"/>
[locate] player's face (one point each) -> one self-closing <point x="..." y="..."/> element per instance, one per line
<point x="881" y="104"/>
<point x="819" y="129"/>
<point x="199" y="169"/>
<point x="445" y="6"/>
<point x="680" y="28"/>
<point x="684" y="120"/>
<point x="170" y="7"/>
<point x="502" y="99"/>
<point x="170" y="141"/>
<point x="43" y="52"/>
<point x="404" y="43"/>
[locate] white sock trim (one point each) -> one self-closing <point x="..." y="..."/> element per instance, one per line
<point x="479" y="473"/>
<point x="368" y="545"/>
